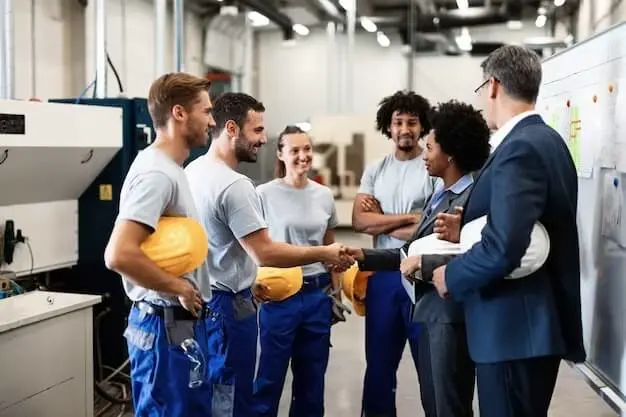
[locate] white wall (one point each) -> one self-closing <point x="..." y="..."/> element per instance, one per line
<point x="297" y="82"/>
<point x="597" y="15"/>
<point x="64" y="47"/>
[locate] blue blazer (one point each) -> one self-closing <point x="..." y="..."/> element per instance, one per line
<point x="529" y="177"/>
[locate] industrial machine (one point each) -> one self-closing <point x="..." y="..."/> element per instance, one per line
<point x="50" y="153"/>
<point x="97" y="210"/>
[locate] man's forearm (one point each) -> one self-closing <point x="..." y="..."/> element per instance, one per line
<point x="376" y="223"/>
<point x="404" y="233"/>
<point x="284" y="255"/>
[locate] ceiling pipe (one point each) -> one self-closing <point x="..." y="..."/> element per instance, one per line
<point x="179" y="35"/>
<point x="7" y="48"/>
<point x="273" y="14"/>
<point x="451" y="19"/>
<point x="101" y="49"/>
<point x="160" y="36"/>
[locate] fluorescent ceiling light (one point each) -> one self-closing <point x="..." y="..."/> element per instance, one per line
<point x="257" y="19"/>
<point x="514" y="24"/>
<point x="383" y="40"/>
<point x="541" y="20"/>
<point x="559" y="3"/>
<point x="347" y="4"/>
<point x="368" y="24"/>
<point x="462" y="4"/>
<point x="301" y="29"/>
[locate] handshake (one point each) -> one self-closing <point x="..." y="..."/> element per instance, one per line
<point x="339" y="258"/>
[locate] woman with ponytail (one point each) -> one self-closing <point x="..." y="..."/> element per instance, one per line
<point x="298" y="211"/>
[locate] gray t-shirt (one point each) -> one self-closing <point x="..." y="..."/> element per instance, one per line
<point x="229" y="209"/>
<point x="401" y="187"/>
<point x="299" y="216"/>
<point x="156" y="186"/>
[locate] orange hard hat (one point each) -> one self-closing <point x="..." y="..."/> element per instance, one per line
<point x="354" y="286"/>
<point x="281" y="283"/>
<point x="179" y="245"/>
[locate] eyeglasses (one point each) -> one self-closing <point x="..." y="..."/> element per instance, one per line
<point x="484" y="83"/>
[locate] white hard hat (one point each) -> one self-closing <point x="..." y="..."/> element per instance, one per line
<point x="471" y="233"/>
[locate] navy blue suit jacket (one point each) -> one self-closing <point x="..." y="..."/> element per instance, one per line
<point x="529" y="177"/>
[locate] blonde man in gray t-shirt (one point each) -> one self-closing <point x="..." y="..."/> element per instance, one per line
<point x="167" y="310"/>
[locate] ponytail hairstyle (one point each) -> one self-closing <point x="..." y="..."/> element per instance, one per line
<point x="279" y="167"/>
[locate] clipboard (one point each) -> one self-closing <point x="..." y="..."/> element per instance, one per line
<point x="409" y="286"/>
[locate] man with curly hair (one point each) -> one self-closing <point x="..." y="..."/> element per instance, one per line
<point x="393" y="191"/>
<point x="456" y="148"/>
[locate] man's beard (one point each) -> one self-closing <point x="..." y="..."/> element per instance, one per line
<point x="404" y="147"/>
<point x="243" y="150"/>
<point x="196" y="139"/>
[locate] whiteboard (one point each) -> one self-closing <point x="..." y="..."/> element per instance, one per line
<point x="583" y="96"/>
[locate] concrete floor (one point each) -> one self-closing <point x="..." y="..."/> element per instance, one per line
<point x="573" y="397"/>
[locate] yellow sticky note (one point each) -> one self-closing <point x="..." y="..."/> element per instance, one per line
<point x="106" y="192"/>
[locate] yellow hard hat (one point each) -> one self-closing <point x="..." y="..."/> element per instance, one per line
<point x="281" y="283"/>
<point x="179" y="245"/>
<point x="354" y="286"/>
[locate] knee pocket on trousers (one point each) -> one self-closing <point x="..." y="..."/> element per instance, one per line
<point x="141" y="353"/>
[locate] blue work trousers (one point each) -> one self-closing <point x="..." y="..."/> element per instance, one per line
<point x="296" y="329"/>
<point x="388" y="326"/>
<point x="233" y="344"/>
<point x="160" y="370"/>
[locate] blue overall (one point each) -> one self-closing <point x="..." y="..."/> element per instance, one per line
<point x="160" y="371"/>
<point x="388" y="325"/>
<point x="233" y="348"/>
<point x="296" y="329"/>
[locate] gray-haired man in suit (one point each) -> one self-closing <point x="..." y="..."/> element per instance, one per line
<point x="457" y="146"/>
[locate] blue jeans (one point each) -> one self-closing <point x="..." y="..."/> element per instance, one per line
<point x="298" y="330"/>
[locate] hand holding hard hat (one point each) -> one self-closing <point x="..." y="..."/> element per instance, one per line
<point x="471" y="233"/>
<point x="354" y="286"/>
<point x="277" y="284"/>
<point x="178" y="245"/>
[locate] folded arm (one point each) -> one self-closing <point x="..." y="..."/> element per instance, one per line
<point x="377" y="223"/>
<point x="518" y="198"/>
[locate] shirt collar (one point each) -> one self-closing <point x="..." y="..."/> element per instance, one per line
<point x="500" y="134"/>
<point x="462" y="184"/>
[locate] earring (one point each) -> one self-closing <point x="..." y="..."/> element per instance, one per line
<point x="450" y="160"/>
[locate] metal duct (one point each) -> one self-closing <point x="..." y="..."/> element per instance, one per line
<point x="179" y="32"/>
<point x="101" y="49"/>
<point x="7" y="56"/>
<point x="160" y="34"/>
<point x="273" y="14"/>
<point x="474" y="16"/>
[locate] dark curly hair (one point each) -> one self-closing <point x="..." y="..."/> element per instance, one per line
<point x="402" y="102"/>
<point x="235" y="107"/>
<point x="462" y="133"/>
